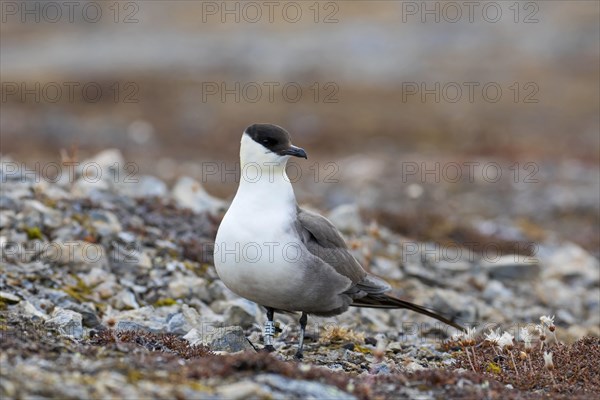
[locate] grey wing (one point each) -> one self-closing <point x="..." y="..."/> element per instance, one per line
<point x="323" y="240"/>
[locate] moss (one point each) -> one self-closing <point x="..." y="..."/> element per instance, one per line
<point x="493" y="368"/>
<point x="198" y="387"/>
<point x="165" y="302"/>
<point x="362" y="349"/>
<point x="34" y="233"/>
<point x="80" y="291"/>
<point x="134" y="376"/>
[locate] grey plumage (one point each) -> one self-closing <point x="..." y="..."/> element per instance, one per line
<point x="324" y="241"/>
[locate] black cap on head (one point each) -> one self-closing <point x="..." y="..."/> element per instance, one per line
<point x="275" y="139"/>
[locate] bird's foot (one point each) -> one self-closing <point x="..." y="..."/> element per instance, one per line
<point x="298" y="355"/>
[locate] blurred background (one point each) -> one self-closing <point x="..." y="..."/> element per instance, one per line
<point x="427" y="115"/>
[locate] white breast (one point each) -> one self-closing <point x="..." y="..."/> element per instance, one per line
<point x="257" y="251"/>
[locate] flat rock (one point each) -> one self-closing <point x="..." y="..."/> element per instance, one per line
<point x="244" y="390"/>
<point x="510" y="267"/>
<point x="80" y="255"/>
<point x="302" y="389"/>
<point x="67" y="322"/>
<point x="347" y="218"/>
<point x="189" y="193"/>
<point x="569" y="261"/>
<point x="230" y="339"/>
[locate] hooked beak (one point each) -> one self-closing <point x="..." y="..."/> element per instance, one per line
<point x="295" y="151"/>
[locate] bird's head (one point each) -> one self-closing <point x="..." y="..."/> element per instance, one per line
<point x="268" y="145"/>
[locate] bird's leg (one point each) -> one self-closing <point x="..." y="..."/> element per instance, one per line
<point x="303" y="321"/>
<point x="269" y="332"/>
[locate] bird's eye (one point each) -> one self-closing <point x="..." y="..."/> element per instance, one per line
<point x="268" y="141"/>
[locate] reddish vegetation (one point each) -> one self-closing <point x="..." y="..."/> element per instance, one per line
<point x="576" y="368"/>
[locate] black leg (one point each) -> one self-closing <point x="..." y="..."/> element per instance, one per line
<point x="303" y="321"/>
<point x="269" y="332"/>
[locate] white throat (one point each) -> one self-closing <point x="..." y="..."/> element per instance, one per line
<point x="264" y="184"/>
<point x="259" y="165"/>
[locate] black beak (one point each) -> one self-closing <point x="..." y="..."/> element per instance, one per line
<point x="294" y="151"/>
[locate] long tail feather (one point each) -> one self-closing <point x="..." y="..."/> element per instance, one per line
<point x="385" y="301"/>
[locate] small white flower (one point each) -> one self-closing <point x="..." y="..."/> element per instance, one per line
<point x="539" y="329"/>
<point x="493" y="336"/>
<point x="457" y="337"/>
<point x="506" y="340"/>
<point x="548" y="364"/>
<point x="525" y="336"/>
<point x="548" y="321"/>
<point x="470" y="334"/>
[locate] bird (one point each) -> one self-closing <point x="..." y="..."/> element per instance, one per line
<point x="286" y="258"/>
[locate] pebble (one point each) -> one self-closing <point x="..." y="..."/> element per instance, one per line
<point x="387" y="268"/>
<point x="187" y="320"/>
<point x="510" y="267"/>
<point x="244" y="390"/>
<point x="105" y="223"/>
<point x="218" y="291"/>
<point x="77" y="254"/>
<point x="9" y="298"/>
<point x="495" y="290"/>
<point x="230" y="339"/>
<point x="142" y="187"/>
<point x="37" y="214"/>
<point x="347" y="219"/>
<point x="67" y="322"/>
<point x="569" y="261"/>
<point x="84" y="187"/>
<point x="241" y="312"/>
<point x="184" y="286"/>
<point x="189" y="193"/>
<point x="303" y="389"/>
<point x="124" y="300"/>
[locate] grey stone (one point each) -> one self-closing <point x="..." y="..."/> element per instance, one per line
<point x="6" y="203"/>
<point x="124" y="300"/>
<point x="9" y="298"/>
<point x="184" y="321"/>
<point x="27" y="309"/>
<point x="569" y="261"/>
<point x="34" y="210"/>
<point x="452" y="304"/>
<point x="142" y="186"/>
<point x="240" y="312"/>
<point x="218" y="291"/>
<point x="230" y="339"/>
<point x="388" y="268"/>
<point x="495" y="290"/>
<point x="189" y="193"/>
<point x="85" y="187"/>
<point x="80" y="255"/>
<point x="303" y="389"/>
<point x="7" y="218"/>
<point x="455" y="266"/>
<point x="126" y="237"/>
<point x="152" y="319"/>
<point x="244" y="390"/>
<point x="347" y="219"/>
<point x="182" y="286"/>
<point x="104" y="222"/>
<point x="133" y="326"/>
<point x="511" y="267"/>
<point x="67" y="322"/>
<point x="107" y="160"/>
